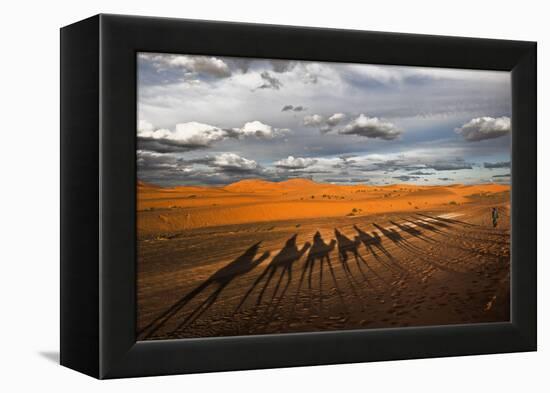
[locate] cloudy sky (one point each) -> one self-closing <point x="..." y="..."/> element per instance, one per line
<point x="216" y="120"/>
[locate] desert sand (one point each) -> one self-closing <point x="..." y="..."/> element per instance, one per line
<point x="258" y="257"/>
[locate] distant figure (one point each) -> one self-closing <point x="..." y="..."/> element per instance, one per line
<point x="494" y="214"/>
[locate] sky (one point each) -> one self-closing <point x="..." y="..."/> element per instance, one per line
<point x="213" y="120"/>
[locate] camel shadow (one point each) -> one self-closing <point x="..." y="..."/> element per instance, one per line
<point x="283" y="262"/>
<point x="446" y="220"/>
<point x="319" y="254"/>
<point x="427" y="226"/>
<point x="408" y="246"/>
<point x="413" y="231"/>
<point x="373" y="243"/>
<point x="347" y="246"/>
<point x="219" y="280"/>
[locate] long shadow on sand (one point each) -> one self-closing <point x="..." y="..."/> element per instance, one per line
<point x="415" y="232"/>
<point x="427" y="226"/>
<point x="446" y="220"/>
<point x="347" y="246"/>
<point x="411" y="248"/>
<point x="319" y="253"/>
<point x="220" y="279"/>
<point x="283" y="262"/>
<point x="473" y="228"/>
<point x="373" y="244"/>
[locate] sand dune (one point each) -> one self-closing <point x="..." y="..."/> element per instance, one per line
<point x="180" y="208"/>
<point x="410" y="268"/>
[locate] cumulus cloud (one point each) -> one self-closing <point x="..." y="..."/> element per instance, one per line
<point x="186" y="136"/>
<point x="269" y="81"/>
<point x="234" y="162"/>
<point x="194" y="135"/>
<point x="371" y="127"/>
<point x="494" y="165"/>
<point x="314" y="120"/>
<point x="206" y="65"/>
<point x="231" y="114"/>
<point x="486" y="127"/>
<point x="335" y="119"/>
<point x="325" y="124"/>
<point x="295" y="162"/>
<point x="258" y="129"/>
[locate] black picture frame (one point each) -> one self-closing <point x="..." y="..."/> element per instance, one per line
<point x="98" y="192"/>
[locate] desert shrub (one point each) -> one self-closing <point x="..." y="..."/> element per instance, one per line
<point x="453" y="203"/>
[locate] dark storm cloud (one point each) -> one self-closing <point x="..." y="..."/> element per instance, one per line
<point x="346" y="161"/>
<point x="147" y="160"/>
<point x="390" y="166"/>
<point x="167" y="169"/>
<point x="297" y="108"/>
<point x="269" y="81"/>
<point x="406" y="177"/>
<point x="493" y="165"/>
<point x="504" y="175"/>
<point x="167" y="146"/>
<point x="486" y="127"/>
<point x="420" y="173"/>
<point x="449" y="166"/>
<point x="444" y="178"/>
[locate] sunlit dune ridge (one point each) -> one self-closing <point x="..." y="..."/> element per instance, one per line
<point x="164" y="209"/>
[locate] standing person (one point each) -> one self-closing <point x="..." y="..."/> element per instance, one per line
<point x="494" y="214"/>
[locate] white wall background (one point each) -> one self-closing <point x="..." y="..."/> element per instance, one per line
<point x="29" y="193"/>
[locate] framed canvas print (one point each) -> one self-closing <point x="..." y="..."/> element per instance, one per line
<point x="239" y="196"/>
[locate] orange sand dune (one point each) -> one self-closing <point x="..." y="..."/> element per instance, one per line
<point x="185" y="207"/>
